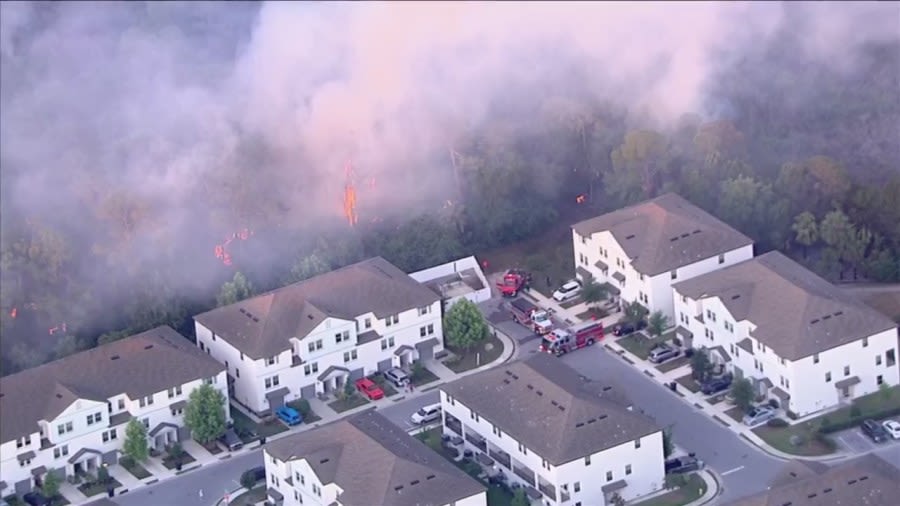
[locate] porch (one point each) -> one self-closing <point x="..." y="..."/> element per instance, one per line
<point x="163" y="435"/>
<point x="403" y="356"/>
<point x="332" y="380"/>
<point x="86" y="460"/>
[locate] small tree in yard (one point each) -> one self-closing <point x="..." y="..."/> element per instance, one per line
<point x="519" y="498"/>
<point x="634" y="312"/>
<point x="349" y="390"/>
<point x="102" y="475"/>
<point x="464" y="325"/>
<point x="657" y="324"/>
<point x="701" y="366"/>
<point x="617" y="500"/>
<point x="885" y="391"/>
<point x="742" y="392"/>
<point x="593" y="292"/>
<point x="668" y="444"/>
<point x="248" y="480"/>
<point x="51" y="485"/>
<point x="205" y="413"/>
<point x="135" y="445"/>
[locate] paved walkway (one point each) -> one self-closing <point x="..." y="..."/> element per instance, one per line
<point x="699" y="401"/>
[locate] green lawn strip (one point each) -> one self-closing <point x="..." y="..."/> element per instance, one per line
<point x="688" y="381"/>
<point x="172" y="462"/>
<point x="808" y="443"/>
<point x="92" y="489"/>
<point x="302" y="407"/>
<point x="252" y="497"/>
<point x="466" y="360"/>
<point x="353" y="401"/>
<point x="138" y="471"/>
<point x="735" y="414"/>
<point x="640" y="345"/>
<point x="593" y="314"/>
<point x="690" y="492"/>
<point x="385" y="385"/>
<point x="671" y="365"/>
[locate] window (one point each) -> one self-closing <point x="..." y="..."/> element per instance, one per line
<point x="146" y="401"/>
<point x="237" y="372"/>
<point x="787" y="384"/>
<point x="384" y="344"/>
<point x="121" y="403"/>
<point x="423" y="331"/>
<point x="729" y="327"/>
<point x="312" y="347"/>
<point x="827" y="377"/>
<point x="890" y="358"/>
<point x="302" y="479"/>
<point x="865" y="342"/>
<point x="577" y="486"/>
<point x="877" y="359"/>
<point x="391" y="320"/>
<point x="684" y="299"/>
<point x="522" y="449"/>
<point x="27" y="441"/>
<point x="272" y="360"/>
<point x="545" y="464"/>
<point x="174" y="391"/>
<point x="879" y="380"/>
<point x="781" y="360"/>
<point x="609" y="476"/>
<point x="64" y="427"/>
<point x="26" y="462"/>
<point x="272" y="382"/>
<point x="109" y="435"/>
<point x="424" y="310"/>
<point x="319" y="344"/>
<point x="583" y="240"/>
<point x="587" y="460"/>
<point x="242" y="356"/>
<point x="721" y="259"/>
<point x="627" y="469"/>
<point x="213" y="336"/>
<point x="497" y="431"/>
<point x="674" y="274"/>
<point x="637" y="443"/>
<point x="342" y="336"/>
<point x="816" y="358"/>
<point x="846" y="370"/>
<point x="296" y="496"/>
<point x="315" y="367"/>
<point x="350" y="355"/>
<point x="307" y="370"/>
<point x="474" y="416"/>
<point x="146" y="422"/>
<point x="60" y="451"/>
<point x="90" y="419"/>
<point x="391" y="342"/>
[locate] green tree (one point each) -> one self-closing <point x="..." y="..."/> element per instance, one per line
<point x="838" y="233"/>
<point x="102" y="474"/>
<point x="634" y="312"/>
<point x="856" y="249"/>
<point x="519" y="498"/>
<point x="464" y="325"/>
<point x="51" y="485"/>
<point x="248" y="480"/>
<point x="806" y="230"/>
<point x="657" y="323"/>
<point x="701" y="366"/>
<point x="751" y="206"/>
<point x="593" y="292"/>
<point x="668" y="443"/>
<point x="638" y="166"/>
<point x="135" y="445"/>
<point x="742" y="393"/>
<point x="205" y="413"/>
<point x="308" y="266"/>
<point x="238" y="289"/>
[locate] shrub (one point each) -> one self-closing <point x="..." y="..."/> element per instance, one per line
<point x="792" y="415"/>
<point x="777" y="422"/>
<point x="855" y="410"/>
<point x="302" y="407"/>
<point x="126" y="461"/>
<point x="103" y="475"/>
<point x="248" y="480"/>
<point x="853" y="421"/>
<point x="826" y="441"/>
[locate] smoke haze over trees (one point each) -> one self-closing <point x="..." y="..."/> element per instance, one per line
<point x="136" y="137"/>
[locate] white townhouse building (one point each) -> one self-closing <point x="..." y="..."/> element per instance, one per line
<point x="567" y="439"/>
<point x="459" y="279"/>
<point x="643" y="249"/>
<point x="364" y="460"/>
<point x="69" y="416"/>
<point x="800" y="339"/>
<point x="312" y="337"/>
<point x="868" y="480"/>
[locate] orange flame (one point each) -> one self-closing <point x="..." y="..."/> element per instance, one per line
<point x="14" y="312"/>
<point x="580" y="199"/>
<point x="350" y="197"/>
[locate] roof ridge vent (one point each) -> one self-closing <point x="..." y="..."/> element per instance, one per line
<point x="814" y="321"/>
<point x="243" y="311"/>
<point x="507" y="372"/>
<point x="506" y="381"/>
<point x="114" y="357"/>
<point x="673" y="239"/>
<point x="826" y="317"/>
<point x="827" y="490"/>
<point x="851" y="482"/>
<point x="592" y="420"/>
<point x="838" y="313"/>
<point x="810" y="496"/>
<point x="579" y="424"/>
<point x="148" y="346"/>
<point x="601" y="417"/>
<point x="414" y="482"/>
<point x="630" y="236"/>
<point x="561" y="407"/>
<point x="554" y="403"/>
<point x="530" y="386"/>
<point x="430" y="477"/>
<point x="539" y="393"/>
<point x="863" y="478"/>
<point x="684" y="235"/>
<point x="256" y="319"/>
<point x="323" y="461"/>
<point x="793" y="474"/>
<point x="736" y="297"/>
<point x="607" y="388"/>
<point x="515" y="376"/>
<point x="696" y="231"/>
<point x="398" y="488"/>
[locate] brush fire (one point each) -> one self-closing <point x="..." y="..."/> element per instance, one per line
<point x="580" y="199"/>
<point x="350" y="195"/>
<point x="221" y="250"/>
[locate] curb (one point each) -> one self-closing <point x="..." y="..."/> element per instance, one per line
<point x="233" y="494"/>
<point x="712" y="483"/>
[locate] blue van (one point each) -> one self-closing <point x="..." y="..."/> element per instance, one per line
<point x="288" y="415"/>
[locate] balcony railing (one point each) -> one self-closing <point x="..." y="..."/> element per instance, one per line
<point x="524" y="473"/>
<point x="501" y="457"/>
<point x="476" y="441"/>
<point x="548" y="490"/>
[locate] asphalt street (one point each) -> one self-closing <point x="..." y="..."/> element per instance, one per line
<point x="400" y="412"/>
<point x="184" y="490"/>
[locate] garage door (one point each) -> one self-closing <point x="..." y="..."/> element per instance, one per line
<point x="308" y="392"/>
<point x="357" y="374"/>
<point x="426" y="350"/>
<point x="384" y="365"/>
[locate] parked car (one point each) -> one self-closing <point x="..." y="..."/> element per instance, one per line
<point x="230" y="440"/>
<point x="663" y="353"/>
<point x="427" y="414"/>
<point x="758" y="415"/>
<point x="369" y="388"/>
<point x="875" y="431"/>
<point x="892" y="427"/>
<point x="288" y="415"/>
<point x="716" y="385"/>
<point x="683" y="465"/>
<point x="625" y="328"/>
<point x="396" y="376"/>
<point x="258" y="473"/>
<point x="570" y="290"/>
<point x="36" y="499"/>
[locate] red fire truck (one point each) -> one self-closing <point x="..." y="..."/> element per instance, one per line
<point x="562" y="341"/>
<point x="514" y="281"/>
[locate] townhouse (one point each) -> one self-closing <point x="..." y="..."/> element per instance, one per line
<point x="567" y="439"/>
<point x="643" y="249"/>
<point x="313" y="337"/>
<point x="867" y="480"/>
<point x="69" y="416"/>
<point x="801" y="340"/>
<point x="364" y="460"/>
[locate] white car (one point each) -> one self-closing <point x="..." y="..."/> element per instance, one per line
<point x="892" y="427"/>
<point x="568" y="291"/>
<point x="427" y="414"/>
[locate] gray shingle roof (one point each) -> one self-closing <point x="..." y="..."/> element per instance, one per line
<point x="665" y="233"/>
<point x="796" y="313"/>
<point x="261" y="326"/>
<point x="376" y="462"/>
<point x="548" y="407"/>
<point x="147" y="363"/>
<point x="864" y="481"/>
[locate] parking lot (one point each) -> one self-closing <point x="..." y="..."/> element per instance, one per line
<point x="856" y="442"/>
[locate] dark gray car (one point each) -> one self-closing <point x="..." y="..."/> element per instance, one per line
<point x="231" y="440"/>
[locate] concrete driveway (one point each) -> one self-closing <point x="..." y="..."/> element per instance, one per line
<point x="855" y="441"/>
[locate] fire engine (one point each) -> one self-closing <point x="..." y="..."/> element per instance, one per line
<point x="562" y="341"/>
<point x="513" y="282"/>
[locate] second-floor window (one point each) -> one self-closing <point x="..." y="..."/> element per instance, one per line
<point x="387" y="343"/>
<point x="310" y="368"/>
<point x="426" y="330"/>
<point x="342" y="336"/>
<point x="146" y="401"/>
<point x="174" y="391"/>
<point x="350" y="355"/>
<point x="272" y="382"/>
<point x="64" y="427"/>
<point x="109" y="435"/>
<point x="24" y="441"/>
<point x="392" y="320"/>
<point x="95" y="418"/>
<point x="368" y="323"/>
<point x="424" y="310"/>
<point x="60" y="451"/>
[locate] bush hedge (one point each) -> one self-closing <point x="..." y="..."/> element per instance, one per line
<point x="853" y="421"/>
<point x="777" y="422"/>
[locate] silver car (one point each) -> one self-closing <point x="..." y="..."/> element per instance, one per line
<point x="758" y="415"/>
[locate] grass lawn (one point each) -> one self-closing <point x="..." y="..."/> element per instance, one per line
<point x="213" y="447"/>
<point x="593" y="313"/>
<point x="735" y="414"/>
<point x="385" y="385"/>
<point x="498" y="496"/>
<point x="671" y="365"/>
<point x="244" y="426"/>
<point x="640" y="345"/>
<point x="688" y="381"/>
<point x="353" y="401"/>
<point x="171" y="462"/>
<point x="810" y="446"/>
<point x="716" y="398"/>
<point x="485" y="353"/>
<point x="571" y="303"/>
<point x="302" y="407"/>
<point x="92" y="489"/>
<point x="252" y="497"/>
<point x="422" y="376"/>
<point x="690" y="492"/>
<point x="138" y="471"/>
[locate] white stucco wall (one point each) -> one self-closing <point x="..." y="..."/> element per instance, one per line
<point x="456" y="266"/>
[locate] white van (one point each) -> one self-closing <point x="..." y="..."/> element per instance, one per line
<point x="427" y="414"/>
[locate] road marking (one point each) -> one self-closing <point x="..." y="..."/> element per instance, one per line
<point x="730" y="471"/>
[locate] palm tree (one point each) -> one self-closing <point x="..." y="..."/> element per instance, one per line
<point x="806" y="230"/>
